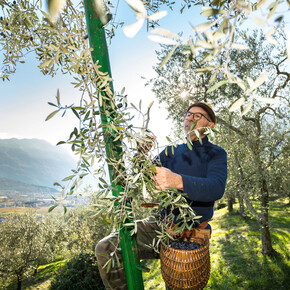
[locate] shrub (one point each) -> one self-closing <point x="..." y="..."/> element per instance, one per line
<point x="81" y="272"/>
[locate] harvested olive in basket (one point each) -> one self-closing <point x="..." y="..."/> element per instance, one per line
<point x="185" y="245"/>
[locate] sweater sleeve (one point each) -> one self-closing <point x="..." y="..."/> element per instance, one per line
<point x="211" y="187"/>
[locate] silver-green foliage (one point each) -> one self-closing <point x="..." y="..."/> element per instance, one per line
<point x="26" y="242"/>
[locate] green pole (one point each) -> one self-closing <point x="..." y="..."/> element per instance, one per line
<point x="113" y="149"/>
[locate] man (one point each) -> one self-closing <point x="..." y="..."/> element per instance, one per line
<point x="201" y="173"/>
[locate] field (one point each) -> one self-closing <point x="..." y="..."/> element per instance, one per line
<point x="5" y="211"/>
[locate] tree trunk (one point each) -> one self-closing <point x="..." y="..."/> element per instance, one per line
<point x="242" y="211"/>
<point x="19" y="282"/>
<point x="231" y="201"/>
<point x="267" y="248"/>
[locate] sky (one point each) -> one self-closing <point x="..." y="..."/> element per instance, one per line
<point x="23" y="99"/>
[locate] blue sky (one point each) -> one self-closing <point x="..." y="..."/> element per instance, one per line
<point x="23" y="100"/>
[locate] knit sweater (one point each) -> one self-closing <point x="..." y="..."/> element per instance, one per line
<point x="204" y="173"/>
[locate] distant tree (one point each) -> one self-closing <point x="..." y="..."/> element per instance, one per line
<point x="255" y="136"/>
<point x="81" y="231"/>
<point x="25" y="242"/>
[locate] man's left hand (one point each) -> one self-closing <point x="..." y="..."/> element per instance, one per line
<point x="165" y="178"/>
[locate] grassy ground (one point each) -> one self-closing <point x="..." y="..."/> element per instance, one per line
<point x="39" y="281"/>
<point x="236" y="259"/>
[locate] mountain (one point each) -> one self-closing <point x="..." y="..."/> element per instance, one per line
<point x="9" y="186"/>
<point x="34" y="161"/>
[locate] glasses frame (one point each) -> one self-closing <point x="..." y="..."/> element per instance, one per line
<point x="188" y="114"/>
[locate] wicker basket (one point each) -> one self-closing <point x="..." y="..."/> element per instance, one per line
<point x="182" y="269"/>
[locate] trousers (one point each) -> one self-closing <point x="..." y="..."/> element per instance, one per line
<point x="115" y="278"/>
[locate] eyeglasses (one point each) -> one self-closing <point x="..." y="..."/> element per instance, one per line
<point x="196" y="116"/>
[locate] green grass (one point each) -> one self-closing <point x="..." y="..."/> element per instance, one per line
<point x="41" y="280"/>
<point x="236" y="258"/>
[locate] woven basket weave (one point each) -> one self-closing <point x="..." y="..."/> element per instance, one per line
<point x="186" y="269"/>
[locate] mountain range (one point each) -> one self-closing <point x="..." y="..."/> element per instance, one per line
<point x="33" y="162"/>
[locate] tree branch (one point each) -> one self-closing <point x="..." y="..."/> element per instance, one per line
<point x="251" y="208"/>
<point x="233" y="128"/>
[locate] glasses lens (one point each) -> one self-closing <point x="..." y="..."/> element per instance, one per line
<point x="197" y="116"/>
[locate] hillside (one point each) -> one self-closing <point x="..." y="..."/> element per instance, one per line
<point x="9" y="186"/>
<point x="34" y="161"/>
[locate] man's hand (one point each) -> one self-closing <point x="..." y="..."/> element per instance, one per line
<point x="144" y="146"/>
<point x="165" y="178"/>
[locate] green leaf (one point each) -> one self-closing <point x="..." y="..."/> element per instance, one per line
<point x="51" y="115"/>
<point x="52" y="208"/>
<point x="102" y="180"/>
<point x="166" y="33"/>
<point x="209" y="11"/>
<point x="213" y="77"/>
<point x="198" y="135"/>
<point x="202" y="27"/>
<point x="150" y="105"/>
<point x="76" y="113"/>
<point x="272" y="9"/>
<point x="267" y="100"/>
<point x="137" y="5"/>
<point x="144" y="191"/>
<point x="260" y="3"/>
<point x="259" y="81"/>
<point x="168" y="139"/>
<point x="57" y="97"/>
<point x="162" y="40"/>
<point x="136" y="177"/>
<point x="259" y="21"/>
<point x="193" y="125"/>
<point x="216" y="86"/>
<point x="68" y="178"/>
<point x="61" y="142"/>
<point x="167" y="57"/>
<point x="204" y="44"/>
<point x="64" y="209"/>
<point x="158" y="15"/>
<point x="237" y="104"/>
<point x="45" y="63"/>
<point x="52" y="104"/>
<point x="248" y="107"/>
<point x="188" y="145"/>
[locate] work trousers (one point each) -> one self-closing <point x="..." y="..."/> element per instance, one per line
<point x="115" y="278"/>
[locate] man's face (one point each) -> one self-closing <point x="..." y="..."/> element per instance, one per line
<point x="201" y="123"/>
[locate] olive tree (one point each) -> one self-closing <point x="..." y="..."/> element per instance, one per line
<point x="60" y="42"/>
<point x="255" y="136"/>
<point x="26" y="242"/>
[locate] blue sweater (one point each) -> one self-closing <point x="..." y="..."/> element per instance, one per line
<point x="204" y="173"/>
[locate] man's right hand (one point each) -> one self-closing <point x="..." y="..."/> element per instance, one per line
<point x="144" y="146"/>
